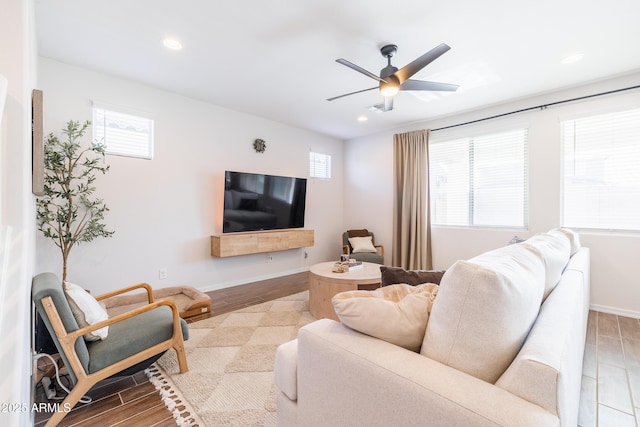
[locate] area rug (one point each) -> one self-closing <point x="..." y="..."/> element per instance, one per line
<point x="231" y="359"/>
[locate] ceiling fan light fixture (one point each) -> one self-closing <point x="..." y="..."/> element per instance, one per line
<point x="389" y="89"/>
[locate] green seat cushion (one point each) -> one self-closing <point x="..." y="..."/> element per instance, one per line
<point x="367" y="257"/>
<point x="132" y="336"/>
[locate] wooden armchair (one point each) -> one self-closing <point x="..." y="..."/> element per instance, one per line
<point x="135" y="339"/>
<point x="375" y="257"/>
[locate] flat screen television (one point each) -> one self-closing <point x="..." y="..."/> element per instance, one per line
<point x="262" y="202"/>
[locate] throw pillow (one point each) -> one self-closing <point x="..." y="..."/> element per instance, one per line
<point x="397" y="314"/>
<point x="362" y="244"/>
<point x="393" y="275"/>
<point x="86" y="310"/>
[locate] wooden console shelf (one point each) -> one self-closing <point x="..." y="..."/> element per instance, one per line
<point x="234" y="244"/>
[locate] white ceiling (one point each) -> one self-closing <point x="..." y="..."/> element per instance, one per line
<point x="276" y="58"/>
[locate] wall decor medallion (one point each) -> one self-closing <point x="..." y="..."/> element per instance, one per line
<point x="259" y="145"/>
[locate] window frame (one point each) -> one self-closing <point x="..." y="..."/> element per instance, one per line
<point x="474" y="134"/>
<point x="563" y="202"/>
<point x="312" y="165"/>
<point x="149" y="146"/>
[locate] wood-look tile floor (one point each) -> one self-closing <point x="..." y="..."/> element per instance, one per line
<point x="611" y="372"/>
<point x="610" y="383"/>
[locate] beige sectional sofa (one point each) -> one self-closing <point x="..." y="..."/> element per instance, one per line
<point x="503" y="346"/>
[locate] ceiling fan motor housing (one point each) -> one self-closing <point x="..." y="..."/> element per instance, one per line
<point x="391" y="84"/>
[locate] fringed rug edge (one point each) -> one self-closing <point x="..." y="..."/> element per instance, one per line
<point x="182" y="411"/>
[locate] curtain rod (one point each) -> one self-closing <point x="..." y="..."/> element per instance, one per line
<point x="542" y="107"/>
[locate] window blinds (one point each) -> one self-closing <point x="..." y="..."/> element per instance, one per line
<point x="123" y="134"/>
<point x="480" y="181"/>
<point x="319" y="165"/>
<point x="601" y="177"/>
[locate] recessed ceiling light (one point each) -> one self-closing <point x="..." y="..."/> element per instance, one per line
<point x="363" y="118"/>
<point x="571" y="59"/>
<point x="171" y="43"/>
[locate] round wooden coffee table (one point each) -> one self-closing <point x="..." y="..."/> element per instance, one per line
<point x="324" y="284"/>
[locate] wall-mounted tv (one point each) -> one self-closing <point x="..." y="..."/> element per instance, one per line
<point x="262" y="202"/>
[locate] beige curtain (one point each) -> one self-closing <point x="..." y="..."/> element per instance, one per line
<point x="411" y="222"/>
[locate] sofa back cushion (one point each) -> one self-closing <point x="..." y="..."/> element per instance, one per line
<point x="555" y="250"/>
<point x="484" y="311"/>
<point x="574" y="238"/>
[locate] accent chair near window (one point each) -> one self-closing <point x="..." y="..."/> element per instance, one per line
<point x="360" y="245"/>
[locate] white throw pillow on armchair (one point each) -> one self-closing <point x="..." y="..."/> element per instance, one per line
<point x="362" y="244"/>
<point x="86" y="310"/>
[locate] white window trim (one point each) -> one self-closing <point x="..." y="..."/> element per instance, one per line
<point x="313" y="169"/>
<point x="482" y="130"/>
<point x="620" y="108"/>
<point x="148" y="155"/>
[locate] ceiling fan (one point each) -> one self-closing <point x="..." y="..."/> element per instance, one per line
<point x="392" y="80"/>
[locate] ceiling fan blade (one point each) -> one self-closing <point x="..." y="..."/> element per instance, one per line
<point x="418" y="64"/>
<point x="430" y="86"/>
<point x="359" y="69"/>
<point x="352" y="93"/>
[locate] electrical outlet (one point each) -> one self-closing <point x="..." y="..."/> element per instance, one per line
<point x="162" y="273"/>
<point x="269" y="258"/>
<point x="306" y="254"/>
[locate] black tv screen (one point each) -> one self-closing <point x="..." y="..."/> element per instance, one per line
<point x="262" y="202"/>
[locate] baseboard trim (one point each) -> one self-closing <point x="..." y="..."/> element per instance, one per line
<point x="618" y="311"/>
<point x="225" y="285"/>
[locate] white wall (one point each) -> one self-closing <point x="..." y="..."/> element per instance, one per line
<point x="164" y="210"/>
<point x="17" y="245"/>
<point x="369" y="192"/>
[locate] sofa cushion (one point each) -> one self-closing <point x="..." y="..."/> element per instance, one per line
<point x="574" y="238"/>
<point x="555" y="250"/>
<point x="397" y="314"/>
<point x="484" y="311"/>
<point x="393" y="275"/>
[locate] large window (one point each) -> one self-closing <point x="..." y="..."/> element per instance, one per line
<point x="123" y="134"/>
<point x="601" y="185"/>
<point x="480" y="181"/>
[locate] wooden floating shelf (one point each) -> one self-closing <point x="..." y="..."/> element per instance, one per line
<point x="245" y="243"/>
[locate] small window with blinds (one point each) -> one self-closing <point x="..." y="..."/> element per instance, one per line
<point x="601" y="172"/>
<point x="319" y="165"/>
<point x="123" y="134"/>
<point x="481" y="181"/>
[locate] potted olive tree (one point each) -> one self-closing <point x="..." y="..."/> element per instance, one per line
<point x="68" y="213"/>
